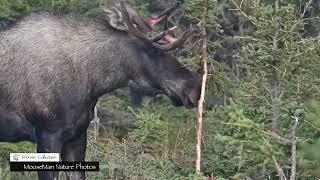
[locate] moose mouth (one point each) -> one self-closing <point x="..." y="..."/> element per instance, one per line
<point x="180" y="100"/>
<point x="177" y="100"/>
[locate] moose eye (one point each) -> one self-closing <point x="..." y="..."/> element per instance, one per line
<point x="156" y="51"/>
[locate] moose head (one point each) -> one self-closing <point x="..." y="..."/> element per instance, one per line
<point x="156" y="70"/>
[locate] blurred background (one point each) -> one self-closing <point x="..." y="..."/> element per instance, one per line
<point x="263" y="93"/>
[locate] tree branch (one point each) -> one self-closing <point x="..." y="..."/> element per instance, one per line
<point x="297" y="22"/>
<point x="294" y="149"/>
<point x="279" y="169"/>
<point x="203" y="87"/>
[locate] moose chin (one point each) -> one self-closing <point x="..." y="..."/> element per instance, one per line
<point x="54" y="68"/>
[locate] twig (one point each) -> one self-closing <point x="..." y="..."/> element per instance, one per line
<point x="312" y="125"/>
<point x="275" y="136"/>
<point x="294" y="149"/>
<point x="242" y="12"/>
<point x="297" y="22"/>
<point x="95" y="121"/>
<point x="279" y="169"/>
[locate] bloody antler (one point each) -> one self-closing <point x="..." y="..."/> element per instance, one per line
<point x="165" y="14"/>
<point x="177" y="42"/>
<point x="134" y="31"/>
<point x="155" y="39"/>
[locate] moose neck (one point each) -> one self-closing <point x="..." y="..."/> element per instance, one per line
<point x="108" y="68"/>
<point x="103" y="51"/>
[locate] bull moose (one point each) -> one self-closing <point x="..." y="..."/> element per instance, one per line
<point x="54" y="68"/>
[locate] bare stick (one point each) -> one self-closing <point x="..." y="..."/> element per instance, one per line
<point x="95" y="122"/>
<point x="279" y="169"/>
<point x="294" y="149"/>
<point x="203" y="89"/>
<point x="200" y="110"/>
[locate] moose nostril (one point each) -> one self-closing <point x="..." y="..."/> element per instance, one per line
<point x="192" y="101"/>
<point x="194" y="96"/>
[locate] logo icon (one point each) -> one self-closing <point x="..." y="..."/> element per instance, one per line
<point x="16" y="157"/>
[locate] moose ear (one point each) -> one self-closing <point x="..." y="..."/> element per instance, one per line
<point x="113" y="16"/>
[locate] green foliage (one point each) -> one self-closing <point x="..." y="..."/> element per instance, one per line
<point x="150" y="128"/>
<point x="309" y="151"/>
<point x="196" y="9"/>
<point x="240" y="147"/>
<point x="282" y="75"/>
<point x="11" y="11"/>
<point x="159" y="148"/>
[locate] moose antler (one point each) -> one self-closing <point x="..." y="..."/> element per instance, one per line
<point x="165" y="14"/>
<point x="134" y="31"/>
<point x="154" y="40"/>
<point x="173" y="45"/>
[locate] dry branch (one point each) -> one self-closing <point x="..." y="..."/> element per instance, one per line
<point x="279" y="169"/>
<point x="203" y="88"/>
<point x="294" y="149"/>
